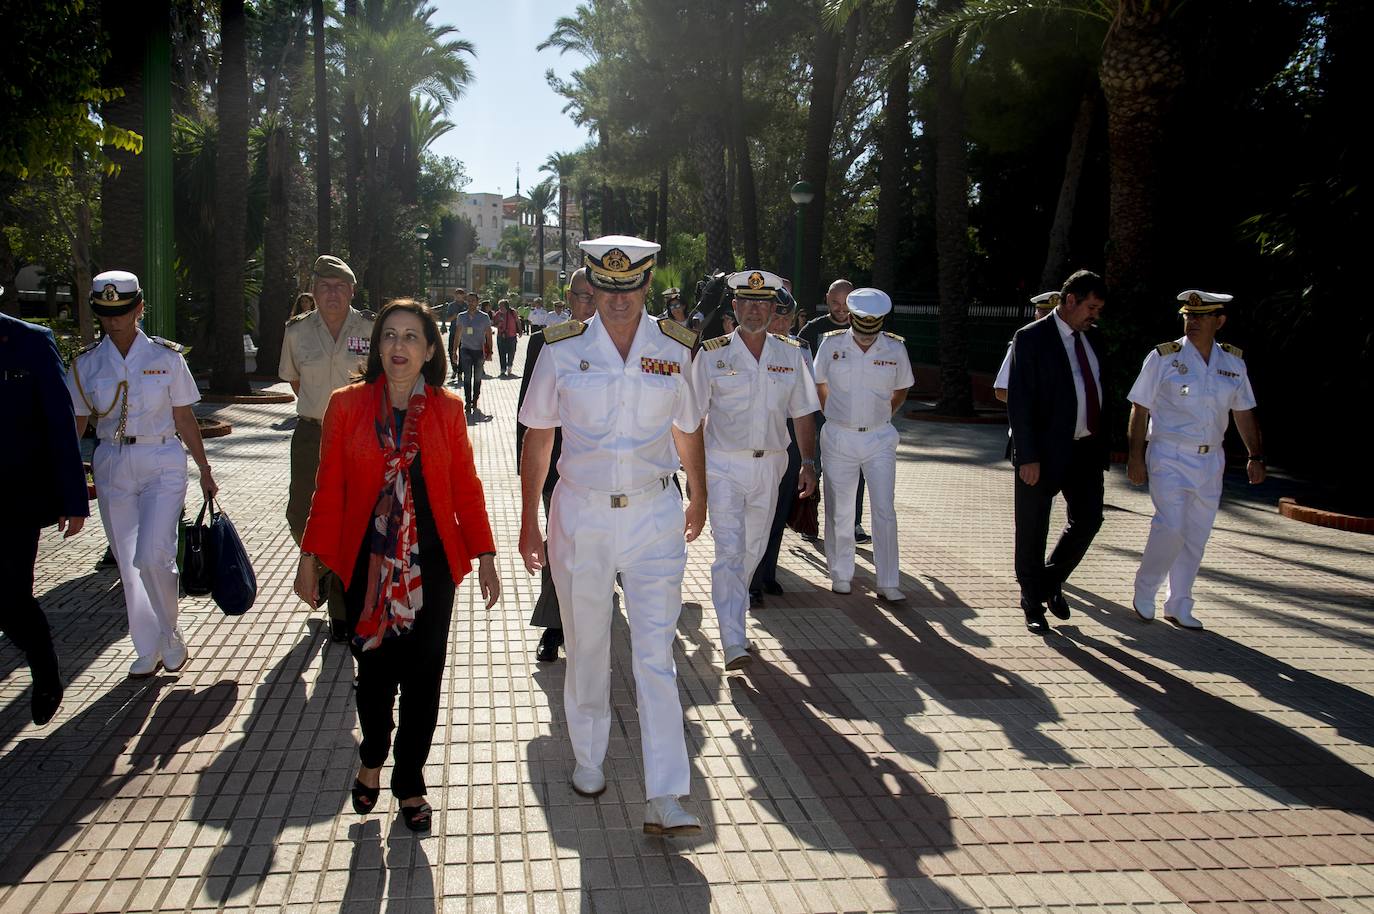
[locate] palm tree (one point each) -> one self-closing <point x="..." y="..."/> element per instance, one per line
<point x="542" y="197"/>
<point x="231" y="200"/>
<point x="561" y="165"/>
<point x="516" y="243"/>
<point x="324" y="239"/>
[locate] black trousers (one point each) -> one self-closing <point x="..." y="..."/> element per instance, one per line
<point x="767" y="572"/>
<point x="546" y="612"/>
<point x="470" y="366"/>
<point x="1081" y="486"/>
<point x="412" y="663"/>
<point x="21" y="618"/>
<point x="505" y="350"/>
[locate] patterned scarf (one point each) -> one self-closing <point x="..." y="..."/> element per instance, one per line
<point x="393" y="570"/>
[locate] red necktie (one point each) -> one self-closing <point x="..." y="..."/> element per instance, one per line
<point x="1094" y="408"/>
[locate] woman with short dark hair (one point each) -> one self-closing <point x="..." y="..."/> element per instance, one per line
<point x="398" y="515"/>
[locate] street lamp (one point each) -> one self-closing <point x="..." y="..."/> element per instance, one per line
<point x="443" y="265"/>
<point x="422" y="235"/>
<point x="801" y="194"/>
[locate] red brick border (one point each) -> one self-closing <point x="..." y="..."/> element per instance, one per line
<point x="255" y="397"/>
<point x="1290" y="509"/>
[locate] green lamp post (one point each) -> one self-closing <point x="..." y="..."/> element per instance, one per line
<point x="801" y="195"/>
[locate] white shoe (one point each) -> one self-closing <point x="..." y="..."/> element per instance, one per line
<point x="891" y="594"/>
<point x="143" y="667"/>
<point x="174" y="652"/>
<point x="1183" y="619"/>
<point x="588" y="781"/>
<point x="839" y="586"/>
<point x="1144" y="609"/>
<point x="737" y="657"/>
<point x="665" y="816"/>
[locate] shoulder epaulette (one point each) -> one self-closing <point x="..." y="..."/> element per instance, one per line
<point x="87" y="349"/>
<point x="1234" y="350"/>
<point x="1169" y="348"/>
<point x="894" y="336"/>
<point x="676" y="331"/>
<point x="833" y="332"/>
<point x="299" y="317"/>
<point x="716" y="342"/>
<point x="367" y="315"/>
<point x="784" y="338"/>
<point x="170" y="344"/>
<point x="564" y="331"/>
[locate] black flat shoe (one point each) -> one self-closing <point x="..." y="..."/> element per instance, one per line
<point x="549" y="643"/>
<point x="418" y="818"/>
<point x="1059" y="606"/>
<point x="1035" y="617"/>
<point x="45" y="702"/>
<point x="772" y="587"/>
<point x="364" y="798"/>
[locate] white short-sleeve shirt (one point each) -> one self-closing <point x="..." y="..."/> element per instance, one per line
<point x="860" y="385"/>
<point x="616" y="414"/>
<point x="748" y="401"/>
<point x="1189" y="400"/>
<point x="157" y="380"/>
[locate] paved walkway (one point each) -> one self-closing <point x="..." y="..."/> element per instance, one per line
<point x="928" y="757"/>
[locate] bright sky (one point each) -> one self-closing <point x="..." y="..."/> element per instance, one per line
<point x="509" y="113"/>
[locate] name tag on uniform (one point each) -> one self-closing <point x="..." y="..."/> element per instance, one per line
<point x="780" y="369"/>
<point x="658" y="366"/>
<point x="1228" y="374"/>
<point x="359" y="345"/>
<point x="882" y="362"/>
<point x="154" y="371"/>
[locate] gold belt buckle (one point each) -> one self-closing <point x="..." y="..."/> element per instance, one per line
<point x="1204" y="448"/>
<point x="862" y="428"/>
<point x="620" y="501"/>
<point x="759" y="453"/>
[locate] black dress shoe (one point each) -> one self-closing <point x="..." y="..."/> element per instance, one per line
<point x="772" y="587"/>
<point x="755" y="597"/>
<point x="1035" y="617"/>
<point x="338" y="631"/>
<point x="1058" y="605"/>
<point x="549" y="643"/>
<point x="107" y="560"/>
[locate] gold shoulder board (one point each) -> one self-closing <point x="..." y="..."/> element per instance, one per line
<point x="894" y="336"/>
<point x="170" y="344"/>
<point x="299" y="317"/>
<point x="1169" y="348"/>
<point x="833" y="332"/>
<point x="716" y="343"/>
<point x="564" y="331"/>
<point x="367" y="315"/>
<point x="784" y="338"/>
<point x="1234" y="350"/>
<point x="676" y="331"/>
<point x="89" y="348"/>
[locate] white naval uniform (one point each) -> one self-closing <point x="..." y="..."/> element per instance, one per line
<point x="858" y="435"/>
<point x="1190" y="402"/>
<point x="747" y="403"/>
<point x="616" y="510"/>
<point x="141" y="486"/>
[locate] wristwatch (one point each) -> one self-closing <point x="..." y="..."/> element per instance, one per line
<point x="1258" y="458"/>
<point x="809" y="462"/>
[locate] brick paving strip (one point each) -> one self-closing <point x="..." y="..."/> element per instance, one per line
<point x="929" y="757"/>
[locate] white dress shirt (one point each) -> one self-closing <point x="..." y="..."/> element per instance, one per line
<point x="860" y="385"/>
<point x="1189" y="400"/>
<point x="1080" y="429"/>
<point x="748" y="401"/>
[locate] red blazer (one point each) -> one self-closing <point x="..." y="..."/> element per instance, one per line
<point x="350" y="477"/>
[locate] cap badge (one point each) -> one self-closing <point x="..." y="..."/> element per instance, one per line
<point x="616" y="261"/>
<point x="1054" y="300"/>
<point x="109" y="293"/>
<point x="1194" y="300"/>
<point x="756" y="280"/>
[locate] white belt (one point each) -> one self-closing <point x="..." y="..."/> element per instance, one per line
<point x="1187" y="447"/>
<point x="617" y="499"/>
<point x="139" y="439"/>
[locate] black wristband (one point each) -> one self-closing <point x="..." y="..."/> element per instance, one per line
<point x="1257" y="457"/>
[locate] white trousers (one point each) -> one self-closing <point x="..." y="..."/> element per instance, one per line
<point x="741" y="495"/>
<point x="1186" y="490"/>
<point x="846" y="453"/>
<point x="589" y="543"/>
<point x="141" y="489"/>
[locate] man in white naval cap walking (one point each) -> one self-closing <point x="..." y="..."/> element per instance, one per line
<point x="1044" y="303"/>
<point x="862" y="376"/>
<point x="140" y="393"/>
<point x="749" y="383"/>
<point x="1182" y="401"/>
<point x="617" y="386"/>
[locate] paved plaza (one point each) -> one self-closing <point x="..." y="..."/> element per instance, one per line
<point x="927" y="756"/>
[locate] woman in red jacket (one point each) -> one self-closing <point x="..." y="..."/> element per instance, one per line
<point x="398" y="515"/>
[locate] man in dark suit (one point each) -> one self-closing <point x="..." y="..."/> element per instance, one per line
<point x="47" y="485"/>
<point x="1055" y="404"/>
<point x="546" y="614"/>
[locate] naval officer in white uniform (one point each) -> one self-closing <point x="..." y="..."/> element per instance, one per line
<point x="1182" y="400"/>
<point x="862" y="376"/>
<point x="749" y="383"/>
<point x="617" y="385"/>
<point x="1044" y="304"/>
<point x="140" y="392"/>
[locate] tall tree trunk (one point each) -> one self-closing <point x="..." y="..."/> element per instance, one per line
<point x="274" y="307"/>
<point x="653" y="217"/>
<point x="582" y="211"/>
<point x="707" y="154"/>
<point x="739" y="143"/>
<point x="231" y="200"/>
<point x="324" y="235"/>
<point x="353" y="154"/>
<point x="1142" y="73"/>
<point x="122" y="237"/>
<point x="539" y="270"/>
<point x="820" y="126"/>
<point x="893" y="165"/>
<point x="563" y="225"/>
<point x="951" y="228"/>
<point x="607" y="203"/>
<point x="662" y="230"/>
<point x="1057" y="255"/>
<point x="81" y="269"/>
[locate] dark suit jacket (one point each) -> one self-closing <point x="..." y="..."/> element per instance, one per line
<point x="1042" y="402"/>
<point x="532" y="350"/>
<point x="42" y="467"/>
